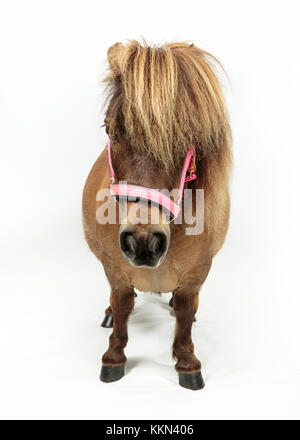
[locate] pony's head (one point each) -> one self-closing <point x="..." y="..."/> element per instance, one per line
<point x="161" y="100"/>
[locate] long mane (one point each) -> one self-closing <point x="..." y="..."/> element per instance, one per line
<point x="162" y="99"/>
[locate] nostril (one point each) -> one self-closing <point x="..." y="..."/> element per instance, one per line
<point x="143" y="248"/>
<point x="128" y="243"/>
<point x="157" y="243"/>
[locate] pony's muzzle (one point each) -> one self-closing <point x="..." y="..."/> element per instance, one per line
<point x="144" y="247"/>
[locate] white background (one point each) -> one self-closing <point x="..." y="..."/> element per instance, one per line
<point x="53" y="290"/>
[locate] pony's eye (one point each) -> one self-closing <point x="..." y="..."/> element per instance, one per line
<point x="106" y="127"/>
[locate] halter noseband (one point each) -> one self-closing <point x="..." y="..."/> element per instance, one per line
<point x="137" y="192"/>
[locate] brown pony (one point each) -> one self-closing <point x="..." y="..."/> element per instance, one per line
<point x="160" y="101"/>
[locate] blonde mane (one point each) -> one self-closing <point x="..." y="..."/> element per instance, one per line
<point x="163" y="98"/>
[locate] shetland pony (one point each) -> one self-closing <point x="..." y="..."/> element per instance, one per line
<point x="161" y="100"/>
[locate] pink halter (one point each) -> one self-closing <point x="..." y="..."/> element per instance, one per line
<point x="137" y="192"/>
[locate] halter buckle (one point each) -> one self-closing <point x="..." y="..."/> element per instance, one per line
<point x="192" y="169"/>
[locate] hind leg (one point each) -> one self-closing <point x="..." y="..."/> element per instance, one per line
<point x="108" y="321"/>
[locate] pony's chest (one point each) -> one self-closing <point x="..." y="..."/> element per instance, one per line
<point x="154" y="284"/>
<point x="163" y="279"/>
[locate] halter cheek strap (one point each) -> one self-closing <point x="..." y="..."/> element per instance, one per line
<point x="189" y="165"/>
<point x="112" y="173"/>
<point x="148" y="194"/>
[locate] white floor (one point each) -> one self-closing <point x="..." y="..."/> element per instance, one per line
<point x="52" y="342"/>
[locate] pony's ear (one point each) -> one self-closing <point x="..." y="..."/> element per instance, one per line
<point x="113" y="55"/>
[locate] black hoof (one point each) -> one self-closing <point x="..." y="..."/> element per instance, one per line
<point x="111" y="374"/>
<point x="108" y="321"/>
<point x="192" y="381"/>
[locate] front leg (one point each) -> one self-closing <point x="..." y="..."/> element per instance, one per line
<point x="121" y="303"/>
<point x="185" y="305"/>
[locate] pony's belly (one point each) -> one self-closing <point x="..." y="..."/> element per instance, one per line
<point x="155" y="280"/>
<point x="158" y="288"/>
